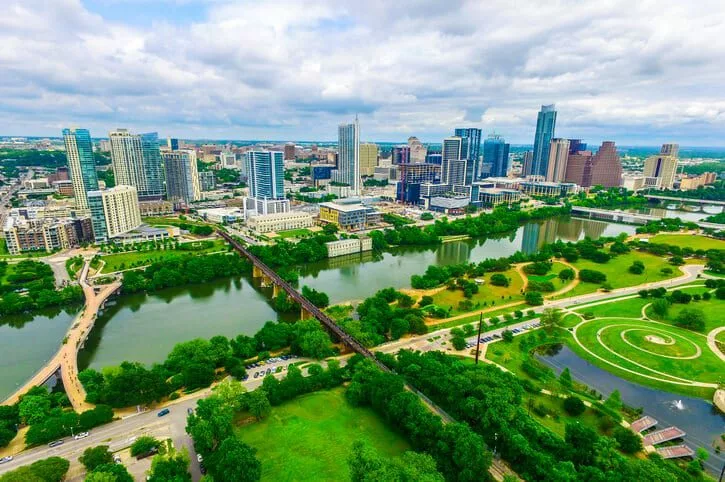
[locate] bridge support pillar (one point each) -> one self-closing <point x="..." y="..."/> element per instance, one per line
<point x="256" y="272"/>
<point x="275" y="290"/>
<point x="304" y="314"/>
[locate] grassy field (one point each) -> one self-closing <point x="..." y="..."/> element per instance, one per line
<point x="690" y="241"/>
<point x="488" y="295"/>
<point x="618" y="275"/>
<point x="132" y="259"/>
<point x="293" y="233"/>
<point x="713" y="310"/>
<point x="630" y="308"/>
<point x="170" y="221"/>
<point x="553" y="276"/>
<point x="644" y="357"/>
<point x="310" y="437"/>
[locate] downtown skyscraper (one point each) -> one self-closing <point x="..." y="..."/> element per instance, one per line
<point x="348" y="158"/>
<point x="79" y="151"/>
<point x="470" y="151"/>
<point x="265" y="174"/>
<point x="545" y="126"/>
<point x="496" y="153"/>
<point x="182" y="176"/>
<point x="136" y="160"/>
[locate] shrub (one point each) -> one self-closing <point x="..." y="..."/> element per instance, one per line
<point x="534" y="298"/>
<point x="691" y="318"/>
<point x="592" y="276"/>
<point x="628" y="441"/>
<point x="566" y="274"/>
<point x="498" y="279"/>
<point x="507" y="336"/>
<point x="574" y="406"/>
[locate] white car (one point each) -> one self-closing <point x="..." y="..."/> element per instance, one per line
<point x="199" y="458"/>
<point x="81" y="435"/>
<point x="7" y="459"/>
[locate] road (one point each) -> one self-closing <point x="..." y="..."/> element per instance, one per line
<point x="5" y="200"/>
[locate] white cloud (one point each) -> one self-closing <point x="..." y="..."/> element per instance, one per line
<point x="632" y="71"/>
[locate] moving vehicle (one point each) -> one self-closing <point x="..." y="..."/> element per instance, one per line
<point x="55" y="443"/>
<point x="116" y="459"/>
<point x="199" y="458"/>
<point x="189" y="410"/>
<point x="81" y="435"/>
<point x="163" y="412"/>
<point x="7" y="459"/>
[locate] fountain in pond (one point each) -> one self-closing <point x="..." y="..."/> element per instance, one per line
<point x="678" y="405"/>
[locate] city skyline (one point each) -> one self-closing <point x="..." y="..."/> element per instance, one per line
<point x="167" y="72"/>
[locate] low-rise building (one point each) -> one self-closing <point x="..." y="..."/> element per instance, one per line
<point x="156" y="208"/>
<point x="546" y="188"/>
<point x="64" y="188"/>
<point x="146" y="233"/>
<point x="348" y="246"/>
<point x="693" y="182"/>
<point x="495" y="196"/>
<point x="633" y="182"/>
<point x="349" y="216"/>
<point x="450" y="204"/>
<point x="222" y="215"/>
<point x="267" y="223"/>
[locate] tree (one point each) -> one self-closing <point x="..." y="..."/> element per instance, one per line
<point x="691" y="318"/>
<point x="329" y="228"/>
<point x="614" y="401"/>
<point x="592" y="276"/>
<point x="551" y="318"/>
<point x="628" y="441"/>
<point x="534" y="298"/>
<point x="173" y="467"/>
<point x="317" y="298"/>
<point x="565" y="378"/>
<point x="235" y="461"/>
<point x="507" y="336"/>
<point x="661" y="307"/>
<point x="94" y="456"/>
<point x="367" y="465"/>
<point x="574" y="406"/>
<point x="459" y="343"/>
<point x="144" y="445"/>
<point x="637" y="267"/>
<point x="498" y="279"/>
<point x="52" y="469"/>
<point x="566" y="274"/>
<point x="34" y="409"/>
<point x="258" y="403"/>
<point x="109" y="473"/>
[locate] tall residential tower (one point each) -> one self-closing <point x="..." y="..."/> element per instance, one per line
<point x="348" y="161"/>
<point x="79" y="151"/>
<point x="136" y="160"/>
<point x="182" y="176"/>
<point x="265" y="171"/>
<point x="496" y="153"/>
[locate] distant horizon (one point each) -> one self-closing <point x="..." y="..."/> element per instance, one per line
<point x="401" y="142"/>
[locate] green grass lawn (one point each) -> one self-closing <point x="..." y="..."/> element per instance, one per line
<point x="293" y="233"/>
<point x="706" y="368"/>
<point x="132" y="259"/>
<point x="712" y="309"/>
<point x="629" y="308"/>
<point x="689" y="241"/>
<point x="487" y="294"/>
<point x="310" y="437"/>
<point x="618" y="275"/>
<point x="170" y="221"/>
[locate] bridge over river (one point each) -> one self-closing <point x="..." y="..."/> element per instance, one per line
<point x="65" y="360"/>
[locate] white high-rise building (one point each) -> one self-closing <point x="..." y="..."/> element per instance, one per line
<point x="182" y="176"/>
<point x="453" y="169"/>
<point x="136" y="160"/>
<point x="660" y="170"/>
<point x="114" y="211"/>
<point x="348" y="160"/>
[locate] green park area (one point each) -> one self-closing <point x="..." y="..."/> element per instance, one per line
<point x="489" y="295"/>
<point x="311" y="437"/>
<point x="134" y="259"/>
<point x="294" y="233"/>
<point x="688" y="241"/>
<point x="618" y="274"/>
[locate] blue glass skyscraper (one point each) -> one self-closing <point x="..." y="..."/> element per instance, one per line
<point x="545" y="125"/>
<point x="496" y="153"/>
<point x="471" y="151"/>
<point x="82" y="167"/>
<point x="265" y="170"/>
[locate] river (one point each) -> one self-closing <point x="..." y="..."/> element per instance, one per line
<point x="698" y="418"/>
<point x="144" y="328"/>
<point x="673" y="211"/>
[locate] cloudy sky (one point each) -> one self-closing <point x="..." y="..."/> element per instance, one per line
<point x="637" y="72"/>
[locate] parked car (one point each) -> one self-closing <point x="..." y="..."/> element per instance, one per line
<point x="55" y="443"/>
<point x="199" y="458"/>
<point x="189" y="410"/>
<point x="116" y="459"/>
<point x="81" y="435"/>
<point x="163" y="412"/>
<point x="202" y="469"/>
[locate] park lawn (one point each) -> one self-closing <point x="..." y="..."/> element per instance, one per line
<point x="170" y="221"/>
<point x="553" y="276"/>
<point x="558" y="422"/>
<point x="310" y="437"/>
<point x="474" y="317"/>
<point x="618" y="275"/>
<point x="628" y="308"/>
<point x="712" y="309"/>
<point x="293" y="233"/>
<point x="706" y="368"/>
<point x="135" y="259"/>
<point x="488" y="295"/>
<point x="688" y="241"/>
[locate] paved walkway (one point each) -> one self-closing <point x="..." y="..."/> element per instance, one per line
<point x="712" y="342"/>
<point x="66" y="359"/>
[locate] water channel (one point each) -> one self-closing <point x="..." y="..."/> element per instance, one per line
<point x="698" y="418"/>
